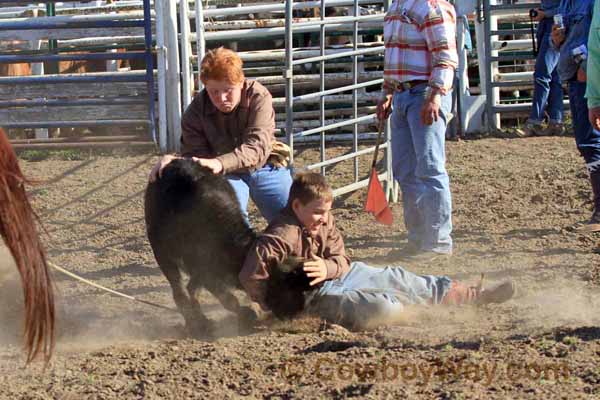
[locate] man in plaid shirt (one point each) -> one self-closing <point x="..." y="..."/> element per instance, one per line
<point x="420" y="59"/>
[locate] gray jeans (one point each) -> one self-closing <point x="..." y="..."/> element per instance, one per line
<point x="366" y="294"/>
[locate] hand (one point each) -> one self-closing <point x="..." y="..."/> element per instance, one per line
<point x="581" y="75"/>
<point x="315" y="268"/>
<point x="384" y="107"/>
<point x="557" y="35"/>
<point x="211" y="163"/>
<point x="594" y="115"/>
<point x="540" y="15"/>
<point x="430" y="111"/>
<point x="156" y="170"/>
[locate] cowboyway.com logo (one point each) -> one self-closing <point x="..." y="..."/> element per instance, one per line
<point x="385" y="370"/>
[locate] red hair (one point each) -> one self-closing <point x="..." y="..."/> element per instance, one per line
<point x="222" y="64"/>
<point x="18" y="229"/>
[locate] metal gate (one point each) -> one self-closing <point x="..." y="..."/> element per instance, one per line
<point x="365" y="18"/>
<point x="503" y="74"/>
<point x="108" y="98"/>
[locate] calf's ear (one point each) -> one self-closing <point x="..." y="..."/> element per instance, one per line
<point x="291" y="263"/>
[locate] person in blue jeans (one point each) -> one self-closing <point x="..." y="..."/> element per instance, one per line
<point x="572" y="40"/>
<point x="229" y="128"/>
<point x="547" y="89"/>
<point x="417" y="90"/>
<point x="352" y="294"/>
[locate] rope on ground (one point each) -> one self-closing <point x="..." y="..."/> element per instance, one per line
<point x="79" y="278"/>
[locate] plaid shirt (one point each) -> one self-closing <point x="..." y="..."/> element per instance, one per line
<point x="420" y="43"/>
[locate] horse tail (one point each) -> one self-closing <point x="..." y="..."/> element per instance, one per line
<point x="18" y="229"/>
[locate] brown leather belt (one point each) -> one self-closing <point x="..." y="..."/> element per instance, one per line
<point x="402" y="86"/>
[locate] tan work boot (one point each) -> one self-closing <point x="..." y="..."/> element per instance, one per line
<point x="460" y="293"/>
<point x="496" y="294"/>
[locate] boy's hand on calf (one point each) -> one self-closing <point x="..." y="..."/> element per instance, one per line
<point x="317" y="269"/>
<point x="156" y="170"/>
<point x="211" y="163"/>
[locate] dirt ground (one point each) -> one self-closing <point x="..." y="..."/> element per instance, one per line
<point x="515" y="204"/>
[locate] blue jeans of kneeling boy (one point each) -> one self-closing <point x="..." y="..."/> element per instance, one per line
<point x="365" y="294"/>
<point x="268" y="186"/>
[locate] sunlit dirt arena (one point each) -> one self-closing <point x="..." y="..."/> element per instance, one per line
<point x="515" y="204"/>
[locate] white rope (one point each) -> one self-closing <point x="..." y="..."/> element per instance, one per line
<point x="79" y="278"/>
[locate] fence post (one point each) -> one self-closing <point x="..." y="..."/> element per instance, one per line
<point x="161" y="61"/>
<point x="186" y="51"/>
<point x="289" y="78"/>
<point x="173" y="87"/>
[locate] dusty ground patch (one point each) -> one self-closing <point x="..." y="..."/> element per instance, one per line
<point x="515" y="202"/>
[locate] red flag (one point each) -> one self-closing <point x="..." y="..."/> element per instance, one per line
<point x="377" y="202"/>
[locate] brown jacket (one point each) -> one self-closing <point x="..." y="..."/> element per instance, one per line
<point x="286" y="237"/>
<point x="241" y="140"/>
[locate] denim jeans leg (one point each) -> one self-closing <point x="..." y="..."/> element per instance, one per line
<point x="547" y="92"/>
<point x="242" y="191"/>
<point x="555" y="99"/>
<point x="435" y="202"/>
<point x="270" y="189"/>
<point x="587" y="139"/>
<point x="368" y="293"/>
<point x="403" y="166"/>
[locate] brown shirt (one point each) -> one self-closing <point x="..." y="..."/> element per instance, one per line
<point x="241" y="139"/>
<point x="285" y="237"/>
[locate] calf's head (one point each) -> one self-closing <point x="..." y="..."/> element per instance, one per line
<point x="288" y="288"/>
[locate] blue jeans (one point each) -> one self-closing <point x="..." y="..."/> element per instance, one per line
<point x="419" y="158"/>
<point x="587" y="139"/>
<point x="365" y="294"/>
<point x="268" y="186"/>
<point x="547" y="90"/>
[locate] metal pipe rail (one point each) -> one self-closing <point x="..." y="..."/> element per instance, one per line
<point x="29" y="25"/>
<point x="504" y="32"/>
<point x="218" y="12"/>
<point x="81" y="123"/>
<point x="70" y="57"/>
<point x="345" y="157"/>
<point x="514" y="57"/>
<point x="334" y="20"/>
<point x="365" y="119"/>
<point x="383" y="177"/>
<point x="72" y="102"/>
<point x="100" y="77"/>
<point x="337" y="90"/>
<point x="137" y="15"/>
<point x="511" y="8"/>
<point x="341" y="54"/>
<point x="280" y="31"/>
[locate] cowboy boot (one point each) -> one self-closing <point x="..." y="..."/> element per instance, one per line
<point x="459" y="293"/>
<point x="593" y="225"/>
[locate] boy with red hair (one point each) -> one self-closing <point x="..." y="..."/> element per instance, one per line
<point x="229" y="128"/>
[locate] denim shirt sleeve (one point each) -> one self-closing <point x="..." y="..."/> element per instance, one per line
<point x="577" y="29"/>
<point x="550" y="7"/>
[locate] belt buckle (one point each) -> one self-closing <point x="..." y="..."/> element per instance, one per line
<point x="405" y="86"/>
